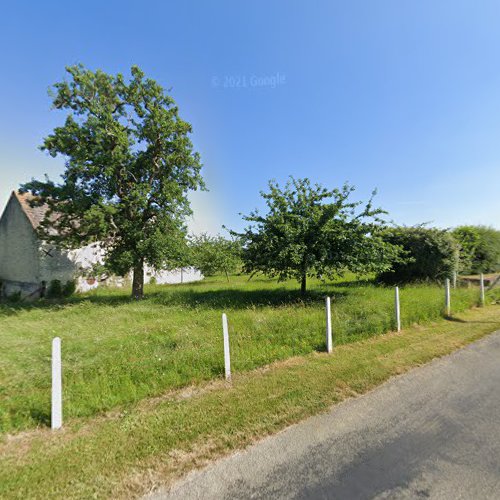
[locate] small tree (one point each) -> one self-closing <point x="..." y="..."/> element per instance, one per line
<point x="215" y="254"/>
<point x="129" y="166"/>
<point x="312" y="231"/>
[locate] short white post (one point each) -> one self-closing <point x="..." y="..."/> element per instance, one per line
<point x="397" y="309"/>
<point x="329" y="341"/>
<point x="56" y="414"/>
<point x="447" y="297"/>
<point x="227" y="359"/>
<point x="481" y="286"/>
<point x="454" y="279"/>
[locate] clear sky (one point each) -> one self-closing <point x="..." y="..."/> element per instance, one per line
<point x="399" y="95"/>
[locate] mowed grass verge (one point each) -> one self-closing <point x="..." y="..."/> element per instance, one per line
<point x="117" y="352"/>
<point x="126" y="454"/>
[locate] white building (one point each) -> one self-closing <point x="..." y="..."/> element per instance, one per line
<point x="28" y="265"/>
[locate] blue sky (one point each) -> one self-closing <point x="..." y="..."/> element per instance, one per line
<point x="398" y="95"/>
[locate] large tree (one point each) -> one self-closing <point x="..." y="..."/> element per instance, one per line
<point x="129" y="167"/>
<point x="309" y="230"/>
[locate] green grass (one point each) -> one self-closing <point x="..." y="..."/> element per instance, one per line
<point x="117" y="352"/>
<point x="125" y="454"/>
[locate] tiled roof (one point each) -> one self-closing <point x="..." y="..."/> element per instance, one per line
<point x="34" y="212"/>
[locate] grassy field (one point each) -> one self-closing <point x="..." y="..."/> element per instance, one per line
<point x="117" y="352"/>
<point x="126" y="454"/>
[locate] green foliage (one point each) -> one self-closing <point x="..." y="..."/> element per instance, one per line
<point x="312" y="231"/>
<point x="215" y="254"/>
<point x="69" y="288"/>
<point x="14" y="297"/>
<point x="54" y="290"/>
<point x="479" y="249"/>
<point x="129" y="166"/>
<point x="468" y="239"/>
<point x="495" y="295"/>
<point x="429" y="254"/>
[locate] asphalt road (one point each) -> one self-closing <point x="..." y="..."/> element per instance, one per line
<point x="431" y="433"/>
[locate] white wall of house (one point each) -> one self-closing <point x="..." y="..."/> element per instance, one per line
<point x="55" y="264"/>
<point x="85" y="258"/>
<point x="174" y="276"/>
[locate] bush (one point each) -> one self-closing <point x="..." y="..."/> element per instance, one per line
<point x="69" y="288"/>
<point x="479" y="249"/>
<point x="15" y="297"/>
<point x="54" y="289"/>
<point x="430" y="255"/>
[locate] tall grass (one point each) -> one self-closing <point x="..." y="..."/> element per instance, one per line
<point x="117" y="352"/>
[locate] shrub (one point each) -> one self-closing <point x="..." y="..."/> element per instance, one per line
<point x="479" y="249"/>
<point x="15" y="297"/>
<point x="430" y="255"/>
<point x="54" y="289"/>
<point x="69" y="288"/>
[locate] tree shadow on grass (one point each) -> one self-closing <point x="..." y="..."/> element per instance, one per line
<point x="241" y="299"/>
<point x="355" y="284"/>
<point x="232" y="298"/>
<point x="454" y="319"/>
<point x="14" y="308"/>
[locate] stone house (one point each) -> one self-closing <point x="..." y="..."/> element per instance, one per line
<point x="28" y="265"/>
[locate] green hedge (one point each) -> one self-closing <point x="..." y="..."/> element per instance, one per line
<point x="429" y="255"/>
<point x="479" y="249"/>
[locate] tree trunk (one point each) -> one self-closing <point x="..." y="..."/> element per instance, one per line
<point x="227" y="275"/>
<point x="303" y="285"/>
<point x="138" y="281"/>
<point x="252" y="275"/>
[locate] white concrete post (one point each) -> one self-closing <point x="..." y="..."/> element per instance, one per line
<point x="397" y="309"/>
<point x="329" y="341"/>
<point x="227" y="358"/>
<point x="481" y="286"/>
<point x="56" y="414"/>
<point x="447" y="298"/>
